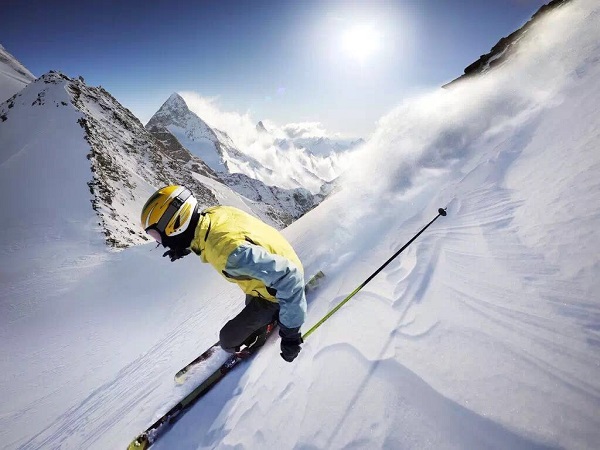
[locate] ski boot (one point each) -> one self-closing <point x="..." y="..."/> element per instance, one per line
<point x="256" y="340"/>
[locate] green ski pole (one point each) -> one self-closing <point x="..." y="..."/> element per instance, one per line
<point x="441" y="212"/>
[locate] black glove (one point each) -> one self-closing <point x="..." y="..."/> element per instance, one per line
<point x="176" y="253"/>
<point x="290" y="342"/>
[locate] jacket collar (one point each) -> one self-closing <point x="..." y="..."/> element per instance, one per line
<point x="201" y="235"/>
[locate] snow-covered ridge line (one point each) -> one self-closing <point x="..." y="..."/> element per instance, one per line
<point x="241" y="172"/>
<point x="125" y="159"/>
<point x="14" y="76"/>
<point x="166" y="167"/>
<point x="505" y="46"/>
<point x="7" y="58"/>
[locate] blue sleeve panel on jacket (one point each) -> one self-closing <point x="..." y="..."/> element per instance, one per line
<point x="276" y="272"/>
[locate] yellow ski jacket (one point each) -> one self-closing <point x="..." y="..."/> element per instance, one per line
<point x="255" y="256"/>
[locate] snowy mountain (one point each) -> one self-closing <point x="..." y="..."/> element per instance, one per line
<point x="193" y="133"/>
<point x="483" y="334"/>
<point x="279" y="157"/>
<point x="260" y="127"/>
<point x="13" y="75"/>
<point x="126" y="162"/>
<point x="216" y="149"/>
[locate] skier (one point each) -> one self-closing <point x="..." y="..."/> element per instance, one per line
<point x="245" y="251"/>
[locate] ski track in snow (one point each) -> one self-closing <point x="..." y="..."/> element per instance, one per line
<point x="140" y="382"/>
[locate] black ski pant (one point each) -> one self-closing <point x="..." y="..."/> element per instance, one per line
<point x="256" y="314"/>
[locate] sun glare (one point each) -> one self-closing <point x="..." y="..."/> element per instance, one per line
<point x="360" y="42"/>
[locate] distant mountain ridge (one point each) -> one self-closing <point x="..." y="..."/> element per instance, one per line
<point x="211" y="145"/>
<point x="310" y="162"/>
<point x="14" y="76"/>
<point x="175" y="123"/>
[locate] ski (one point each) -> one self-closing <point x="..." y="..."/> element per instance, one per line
<point x="314" y="282"/>
<point x="158" y="428"/>
<point x="181" y="376"/>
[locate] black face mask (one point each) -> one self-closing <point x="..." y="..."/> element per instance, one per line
<point x="184" y="240"/>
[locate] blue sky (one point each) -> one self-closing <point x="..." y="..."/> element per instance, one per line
<point x="286" y="61"/>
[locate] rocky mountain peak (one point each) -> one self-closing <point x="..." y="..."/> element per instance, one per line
<point x="175" y="104"/>
<point x="128" y="158"/>
<point x="260" y="127"/>
<point x="175" y="111"/>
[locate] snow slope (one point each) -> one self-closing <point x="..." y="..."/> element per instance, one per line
<point x="13" y="75"/>
<point x="483" y="334"/>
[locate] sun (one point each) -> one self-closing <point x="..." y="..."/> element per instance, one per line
<point x="360" y="42"/>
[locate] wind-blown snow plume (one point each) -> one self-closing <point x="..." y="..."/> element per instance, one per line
<point x="435" y="133"/>
<point x="304" y="130"/>
<point x="240" y="127"/>
<point x="294" y="155"/>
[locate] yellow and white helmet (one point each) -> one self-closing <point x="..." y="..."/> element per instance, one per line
<point x="168" y="213"/>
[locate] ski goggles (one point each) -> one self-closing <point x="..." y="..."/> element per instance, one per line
<point x="154" y="234"/>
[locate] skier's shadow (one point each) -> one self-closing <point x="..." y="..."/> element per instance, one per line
<point x="201" y="426"/>
<point x="421" y="405"/>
